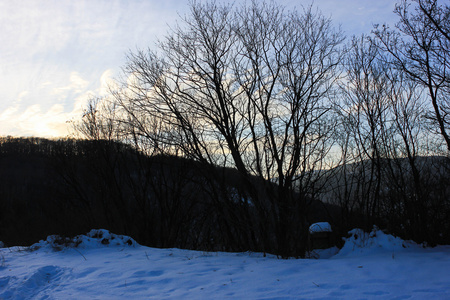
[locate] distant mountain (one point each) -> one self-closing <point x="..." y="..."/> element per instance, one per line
<point x="432" y="170"/>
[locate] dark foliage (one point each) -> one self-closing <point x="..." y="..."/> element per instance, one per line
<point x="416" y="209"/>
<point x="68" y="187"/>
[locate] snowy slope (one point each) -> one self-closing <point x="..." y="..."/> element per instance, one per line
<point x="106" y="266"/>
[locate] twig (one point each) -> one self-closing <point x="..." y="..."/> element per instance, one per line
<point x="80" y="253"/>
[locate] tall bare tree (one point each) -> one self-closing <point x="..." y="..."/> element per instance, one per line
<point x="364" y="112"/>
<point x="420" y="46"/>
<point x="245" y="87"/>
<point x="382" y="113"/>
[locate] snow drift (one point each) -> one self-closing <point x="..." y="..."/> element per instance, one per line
<point x="102" y="265"/>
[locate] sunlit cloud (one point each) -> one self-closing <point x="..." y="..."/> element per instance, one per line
<point x="76" y="85"/>
<point x="35" y="120"/>
<point x="9" y="113"/>
<point x="54" y="53"/>
<point x="107" y="83"/>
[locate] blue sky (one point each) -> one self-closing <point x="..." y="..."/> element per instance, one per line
<point x="55" y="54"/>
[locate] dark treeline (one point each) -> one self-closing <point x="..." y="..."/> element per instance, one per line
<point x="412" y="208"/>
<point x="69" y="186"/>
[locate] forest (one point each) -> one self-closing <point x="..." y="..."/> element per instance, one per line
<point x="244" y="126"/>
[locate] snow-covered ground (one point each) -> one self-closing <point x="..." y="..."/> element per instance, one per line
<point x="105" y="266"/>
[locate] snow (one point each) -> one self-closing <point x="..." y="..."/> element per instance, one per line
<point x="101" y="265"/>
<point x="320" y="227"/>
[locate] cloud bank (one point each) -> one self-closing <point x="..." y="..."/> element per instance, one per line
<point x="55" y="54"/>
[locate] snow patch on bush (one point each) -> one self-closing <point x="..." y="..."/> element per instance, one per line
<point x="93" y="239"/>
<point x="377" y="241"/>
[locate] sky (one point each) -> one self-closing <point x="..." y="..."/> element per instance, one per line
<point x="56" y="54"/>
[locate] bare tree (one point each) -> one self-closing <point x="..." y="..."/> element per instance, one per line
<point x="420" y="47"/>
<point x="245" y="87"/>
<point x="382" y="113"/>
<point x="364" y="113"/>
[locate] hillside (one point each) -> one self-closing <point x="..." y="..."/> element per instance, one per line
<point x="66" y="187"/>
<point x="407" y="196"/>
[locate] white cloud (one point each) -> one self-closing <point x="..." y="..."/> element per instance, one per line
<point x="76" y="85"/>
<point x="54" y="53"/>
<point x="21" y="96"/>
<point x="107" y="82"/>
<point x="77" y="82"/>
<point x="37" y="120"/>
<point x="34" y="122"/>
<point x="9" y="113"/>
